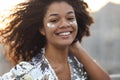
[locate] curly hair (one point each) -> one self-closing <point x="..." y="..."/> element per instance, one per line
<point x="22" y="33"/>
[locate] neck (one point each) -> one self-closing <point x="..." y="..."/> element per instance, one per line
<point x="56" y="55"/>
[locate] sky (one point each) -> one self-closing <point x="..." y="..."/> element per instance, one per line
<point x="96" y="5"/>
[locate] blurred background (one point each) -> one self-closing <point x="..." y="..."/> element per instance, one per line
<point x="103" y="44"/>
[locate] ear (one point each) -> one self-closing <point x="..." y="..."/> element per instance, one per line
<point x="42" y="31"/>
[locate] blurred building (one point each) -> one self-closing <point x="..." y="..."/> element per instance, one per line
<point x="104" y="42"/>
<point x="5" y="65"/>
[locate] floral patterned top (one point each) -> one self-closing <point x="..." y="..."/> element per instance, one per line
<point x="40" y="69"/>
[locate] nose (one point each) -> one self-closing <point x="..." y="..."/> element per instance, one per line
<point x="64" y="23"/>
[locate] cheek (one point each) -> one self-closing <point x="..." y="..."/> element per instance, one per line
<point x="73" y="23"/>
<point x="49" y="30"/>
<point x="51" y="25"/>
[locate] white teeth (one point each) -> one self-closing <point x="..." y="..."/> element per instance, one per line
<point x="64" y="33"/>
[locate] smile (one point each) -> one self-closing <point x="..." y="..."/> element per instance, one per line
<point x="64" y="33"/>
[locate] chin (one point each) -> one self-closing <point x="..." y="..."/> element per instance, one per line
<point x="66" y="43"/>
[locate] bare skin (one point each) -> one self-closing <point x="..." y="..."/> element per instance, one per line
<point x="59" y="62"/>
<point x="94" y="71"/>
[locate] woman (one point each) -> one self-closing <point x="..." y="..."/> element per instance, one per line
<point x="44" y="41"/>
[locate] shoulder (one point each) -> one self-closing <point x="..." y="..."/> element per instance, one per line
<point x="18" y="70"/>
<point x="37" y="69"/>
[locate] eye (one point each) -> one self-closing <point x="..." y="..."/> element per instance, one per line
<point x="71" y="19"/>
<point x="54" y="20"/>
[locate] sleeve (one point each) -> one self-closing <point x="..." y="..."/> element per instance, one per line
<point x="17" y="71"/>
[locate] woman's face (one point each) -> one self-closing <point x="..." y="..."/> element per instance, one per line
<point x="60" y="27"/>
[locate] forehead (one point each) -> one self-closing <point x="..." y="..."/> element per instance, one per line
<point x="59" y="7"/>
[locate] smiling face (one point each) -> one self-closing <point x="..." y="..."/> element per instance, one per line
<point x="60" y="26"/>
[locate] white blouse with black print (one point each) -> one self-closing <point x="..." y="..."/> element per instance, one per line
<point x="40" y="69"/>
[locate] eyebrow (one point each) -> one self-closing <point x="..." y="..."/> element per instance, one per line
<point x="70" y="12"/>
<point x="56" y="14"/>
